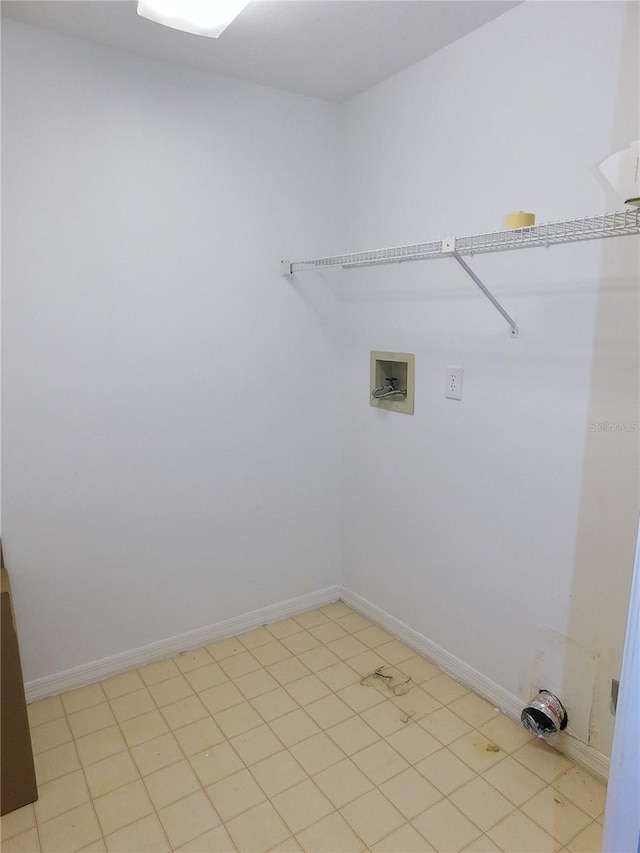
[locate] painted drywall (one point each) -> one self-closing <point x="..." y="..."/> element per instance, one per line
<point x="168" y="460"/>
<point x="501" y="526"/>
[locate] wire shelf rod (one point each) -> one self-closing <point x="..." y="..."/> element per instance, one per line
<point x="619" y="224"/>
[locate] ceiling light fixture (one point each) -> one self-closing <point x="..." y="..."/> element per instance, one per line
<point x="200" y="17"/>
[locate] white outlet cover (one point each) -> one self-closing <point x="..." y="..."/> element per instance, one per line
<point x="453" y="380"/>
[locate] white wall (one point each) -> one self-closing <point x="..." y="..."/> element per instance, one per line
<point x="500" y="527"/>
<point x="168" y="461"/>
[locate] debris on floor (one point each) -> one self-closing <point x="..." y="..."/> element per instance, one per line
<point x="391" y="682"/>
<point x="395" y="683"/>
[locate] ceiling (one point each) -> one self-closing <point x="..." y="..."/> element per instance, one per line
<point x="331" y="49"/>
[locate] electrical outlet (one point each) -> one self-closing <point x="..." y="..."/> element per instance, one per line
<point x="454" y="383"/>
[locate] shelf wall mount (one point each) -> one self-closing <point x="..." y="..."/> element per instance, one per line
<point x="449" y="250"/>
<point x="623" y="223"/>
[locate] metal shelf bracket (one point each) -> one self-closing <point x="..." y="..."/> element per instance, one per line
<point x="465" y="266"/>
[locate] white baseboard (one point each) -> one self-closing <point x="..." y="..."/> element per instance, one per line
<point x="89" y="673"/>
<point x="511" y="705"/>
<point x="596" y="762"/>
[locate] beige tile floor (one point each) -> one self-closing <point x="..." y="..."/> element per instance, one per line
<point x="269" y="741"/>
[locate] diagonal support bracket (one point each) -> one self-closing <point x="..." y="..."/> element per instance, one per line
<point x="465" y="266"/>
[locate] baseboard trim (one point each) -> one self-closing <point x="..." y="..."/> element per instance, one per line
<point x="596" y="762"/>
<point x="511" y="705"/>
<point x="80" y="676"/>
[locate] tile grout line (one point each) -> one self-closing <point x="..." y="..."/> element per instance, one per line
<point x="84" y="775"/>
<point x="203" y="787"/>
<point x="132" y="756"/>
<point x="128" y="752"/>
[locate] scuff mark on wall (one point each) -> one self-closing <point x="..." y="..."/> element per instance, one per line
<point x="568" y="669"/>
<point x="593" y="733"/>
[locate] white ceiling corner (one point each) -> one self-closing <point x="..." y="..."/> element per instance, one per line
<point x="330" y="49"/>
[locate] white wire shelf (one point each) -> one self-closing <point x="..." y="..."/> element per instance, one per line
<point x="620" y="224"/>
